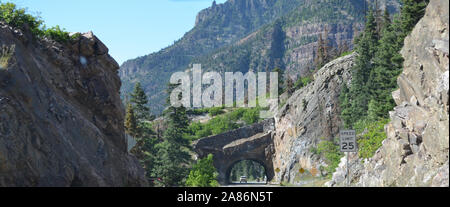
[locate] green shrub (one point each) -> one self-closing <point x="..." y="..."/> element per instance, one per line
<point x="331" y="152"/>
<point x="198" y="111"/>
<point x="57" y="34"/>
<point x="236" y="114"/>
<point x="345" y="53"/>
<point x="222" y="123"/>
<point x="217" y="125"/>
<point x="251" y="116"/>
<point x="203" y="174"/>
<point x="302" y="82"/>
<point x="372" y="137"/>
<point x="18" y="17"/>
<point x="216" y="111"/>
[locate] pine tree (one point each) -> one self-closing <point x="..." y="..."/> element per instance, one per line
<point x="172" y="154"/>
<point x="378" y="65"/>
<point x="386" y="20"/>
<point x="277" y="45"/>
<point x="412" y="11"/>
<point x="130" y="121"/>
<point x="359" y="92"/>
<point x="170" y="164"/>
<point x="324" y="53"/>
<point x="320" y="57"/>
<point x="383" y="78"/>
<point x="327" y="54"/>
<point x="344" y="103"/>
<point x="138" y="115"/>
<point x="140" y="101"/>
<point x="378" y="18"/>
<point x="144" y="149"/>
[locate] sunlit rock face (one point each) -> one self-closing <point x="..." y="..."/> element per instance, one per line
<point x="309" y="116"/>
<point x="416" y="150"/>
<point x="61" y="117"/>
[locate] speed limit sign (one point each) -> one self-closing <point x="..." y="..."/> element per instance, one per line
<point x="348" y="140"/>
<point x="348" y="144"/>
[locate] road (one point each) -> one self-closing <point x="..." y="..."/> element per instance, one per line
<point x="249" y="184"/>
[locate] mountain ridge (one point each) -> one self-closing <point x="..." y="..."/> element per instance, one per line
<point x="238" y="20"/>
<point x="216" y="26"/>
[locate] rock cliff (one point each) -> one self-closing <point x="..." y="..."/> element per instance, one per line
<point x="309" y="115"/>
<point x="416" y="150"/>
<point x="61" y="117"/>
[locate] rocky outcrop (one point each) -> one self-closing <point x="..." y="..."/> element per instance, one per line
<point x="61" y="117"/>
<point x="310" y="115"/>
<point x="416" y="151"/>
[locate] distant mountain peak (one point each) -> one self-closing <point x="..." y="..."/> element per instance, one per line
<point x="219" y="28"/>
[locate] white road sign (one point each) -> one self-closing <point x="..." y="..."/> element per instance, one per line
<point x="348" y="140"/>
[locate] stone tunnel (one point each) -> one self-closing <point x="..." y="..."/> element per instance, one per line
<point x="254" y="142"/>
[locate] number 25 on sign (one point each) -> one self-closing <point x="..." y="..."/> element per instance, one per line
<point x="348" y="140"/>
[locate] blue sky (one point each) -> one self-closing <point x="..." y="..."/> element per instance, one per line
<point x="130" y="28"/>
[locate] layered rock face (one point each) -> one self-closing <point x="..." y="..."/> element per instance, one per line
<point x="300" y="57"/>
<point x="416" y="150"/>
<point x="310" y="115"/>
<point x="61" y="117"/>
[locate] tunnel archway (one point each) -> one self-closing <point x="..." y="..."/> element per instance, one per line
<point x="254" y="170"/>
<point x="253" y="142"/>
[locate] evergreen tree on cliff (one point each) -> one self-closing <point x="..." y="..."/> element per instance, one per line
<point x="388" y="60"/>
<point x="173" y="156"/>
<point x="138" y="125"/>
<point x="130" y="121"/>
<point x="378" y="65"/>
<point x="139" y="100"/>
<point x="388" y="65"/>
<point x="319" y="58"/>
<point x="412" y="11"/>
<point x="359" y="93"/>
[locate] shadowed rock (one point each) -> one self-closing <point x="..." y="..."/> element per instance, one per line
<point x="61" y="117"/>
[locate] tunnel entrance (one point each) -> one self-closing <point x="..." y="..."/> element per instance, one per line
<point x="254" y="143"/>
<point x="247" y="171"/>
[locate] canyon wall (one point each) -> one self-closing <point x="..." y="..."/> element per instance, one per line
<point x="61" y="117"/>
